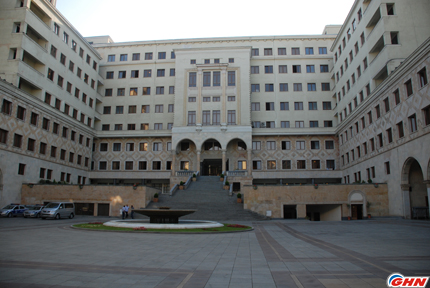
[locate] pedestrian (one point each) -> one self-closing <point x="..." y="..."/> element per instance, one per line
<point x="123" y="212"/>
<point x="126" y="211"/>
<point x="132" y="212"/>
<point x="120" y="212"/>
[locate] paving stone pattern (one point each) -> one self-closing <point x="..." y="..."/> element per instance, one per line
<point x="210" y="200"/>
<point x="279" y="253"/>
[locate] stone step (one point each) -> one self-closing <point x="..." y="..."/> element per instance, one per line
<point x="209" y="199"/>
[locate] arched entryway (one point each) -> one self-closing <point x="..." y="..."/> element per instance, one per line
<point x="186" y="154"/>
<point x="211" y="158"/>
<point x="415" y="198"/>
<point x="357" y="204"/>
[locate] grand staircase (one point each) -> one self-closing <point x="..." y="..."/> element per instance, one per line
<point x="209" y="199"/>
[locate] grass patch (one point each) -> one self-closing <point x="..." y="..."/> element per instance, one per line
<point x="225" y="228"/>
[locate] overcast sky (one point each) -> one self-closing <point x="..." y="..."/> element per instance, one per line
<point x="134" y="20"/>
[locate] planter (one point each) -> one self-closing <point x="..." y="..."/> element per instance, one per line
<point x="349" y="217"/>
<point x="376" y="185"/>
<point x="181" y="187"/>
<point x="221" y="179"/>
<point x="134" y="187"/>
<point x="369" y="216"/>
<point x="239" y="200"/>
<point x="226" y="187"/>
<point x="155" y="200"/>
<point x="194" y="179"/>
<point x="254" y="187"/>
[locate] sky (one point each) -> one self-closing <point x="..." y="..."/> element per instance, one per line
<point x="139" y="20"/>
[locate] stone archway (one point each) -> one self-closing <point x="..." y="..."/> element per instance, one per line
<point x="211" y="159"/>
<point x="238" y="154"/>
<point x="414" y="188"/>
<point x="357" y="204"/>
<point x="185" y="156"/>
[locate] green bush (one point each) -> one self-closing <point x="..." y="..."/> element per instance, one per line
<point x="156" y="195"/>
<point x="239" y="195"/>
<point x="227" y="183"/>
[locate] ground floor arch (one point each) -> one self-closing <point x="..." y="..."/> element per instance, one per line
<point x="414" y="187"/>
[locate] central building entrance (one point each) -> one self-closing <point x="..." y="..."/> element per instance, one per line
<point x="211" y="167"/>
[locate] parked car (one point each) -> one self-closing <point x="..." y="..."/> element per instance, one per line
<point x="58" y="210"/>
<point x="33" y="211"/>
<point x="12" y="210"/>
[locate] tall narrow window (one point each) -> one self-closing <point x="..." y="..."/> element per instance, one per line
<point x="231" y="78"/>
<point x="231" y="117"/>
<point x="192" y="79"/>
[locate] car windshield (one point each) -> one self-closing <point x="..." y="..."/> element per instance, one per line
<point x="52" y="205"/>
<point x="8" y="207"/>
<point x="35" y="208"/>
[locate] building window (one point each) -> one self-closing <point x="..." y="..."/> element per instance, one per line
<point x="422" y="76"/>
<point x="256" y="165"/>
<point x="133" y="91"/>
<point x="324" y="68"/>
<point x="390" y="135"/>
<point x="322" y="50"/>
<point x="394" y="38"/>
<point x="313" y="106"/>
<point x="316" y="164"/>
<point x="282" y="68"/>
<point x="268" y="51"/>
<point x="298" y="105"/>
<point x="161" y="72"/>
<point x="309" y="51"/>
<point x="255" y="87"/>
<point x="300" y="145"/>
<point x="271" y="164"/>
<point x="268" y="69"/>
<point x="269" y="87"/>
<point x="282" y="51"/>
<point x="255" y="69"/>
<point x="310" y="68"/>
<point x="241" y="164"/>
<point x="231" y="78"/>
<point x="122" y="74"/>
<point x="231" y="117"/>
<point x="192" y="79"/>
<point x="116" y="165"/>
<point x="255" y="52"/>
<point x="270" y="106"/>
<point x="297" y="69"/>
<point x="301" y="164"/>
<point x="313" y="123"/>
<point x="255" y="106"/>
<point x="295" y="51"/>
<point x="387" y="168"/>
<point x="413" y="123"/>
<point x="285" y="145"/>
<point x="21" y="169"/>
<point x="159" y="90"/>
<point x="284" y="106"/>
<point x="285" y="124"/>
<point x="161" y="55"/>
<point x="315" y="145"/>
<point x="123" y="57"/>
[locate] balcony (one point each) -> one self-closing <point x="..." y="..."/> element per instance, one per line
<point x="40" y="14"/>
<point x="33" y="62"/>
<point x="34" y="37"/>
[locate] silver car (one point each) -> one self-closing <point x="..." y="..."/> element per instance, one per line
<point x="58" y="210"/>
<point x="33" y="211"/>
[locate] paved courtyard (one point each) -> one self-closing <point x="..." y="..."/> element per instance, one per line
<point x="278" y="253"/>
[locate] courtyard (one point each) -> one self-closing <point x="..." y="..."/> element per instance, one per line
<point x="277" y="253"/>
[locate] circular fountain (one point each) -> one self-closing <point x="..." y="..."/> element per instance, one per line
<point x="164" y="219"/>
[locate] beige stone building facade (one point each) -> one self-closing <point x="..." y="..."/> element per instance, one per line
<point x="266" y="110"/>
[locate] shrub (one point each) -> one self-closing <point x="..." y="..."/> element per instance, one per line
<point x="182" y="183"/>
<point x="221" y="176"/>
<point x="156" y="195"/>
<point x="227" y="183"/>
<point x="194" y="175"/>
<point x="239" y="196"/>
<point x="369" y="181"/>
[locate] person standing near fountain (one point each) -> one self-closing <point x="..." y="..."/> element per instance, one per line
<point x="132" y="212"/>
<point x="123" y="212"/>
<point x="126" y="211"/>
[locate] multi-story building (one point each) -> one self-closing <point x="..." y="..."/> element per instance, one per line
<point x="263" y="110"/>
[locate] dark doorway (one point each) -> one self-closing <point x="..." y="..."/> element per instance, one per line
<point x="236" y="186"/>
<point x="84" y="208"/>
<point x="212" y="167"/>
<point x="357" y="211"/>
<point x="103" y="210"/>
<point x="290" y="212"/>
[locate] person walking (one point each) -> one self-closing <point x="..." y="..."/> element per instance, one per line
<point x="126" y="211"/>
<point x="132" y="212"/>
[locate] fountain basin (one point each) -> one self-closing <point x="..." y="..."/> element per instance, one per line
<point x="182" y="224"/>
<point x="164" y="215"/>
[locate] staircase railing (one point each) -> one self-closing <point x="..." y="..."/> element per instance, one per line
<point x="173" y="190"/>
<point x="185" y="173"/>
<point x="237" y="173"/>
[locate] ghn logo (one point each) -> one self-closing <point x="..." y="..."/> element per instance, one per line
<point x="398" y="280"/>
